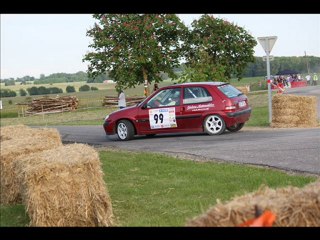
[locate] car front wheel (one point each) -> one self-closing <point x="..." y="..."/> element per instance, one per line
<point x="235" y="128"/>
<point x="214" y="125"/>
<point x="125" y="130"/>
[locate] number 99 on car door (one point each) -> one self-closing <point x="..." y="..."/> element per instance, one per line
<point x="162" y="118"/>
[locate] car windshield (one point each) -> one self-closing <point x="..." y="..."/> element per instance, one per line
<point x="166" y="97"/>
<point x="230" y="91"/>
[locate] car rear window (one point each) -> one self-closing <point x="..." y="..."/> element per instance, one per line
<point x="230" y="91"/>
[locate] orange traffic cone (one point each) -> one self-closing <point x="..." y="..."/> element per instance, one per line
<point x="262" y="220"/>
<point x="265" y="220"/>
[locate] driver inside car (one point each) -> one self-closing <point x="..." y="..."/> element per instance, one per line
<point x="175" y="100"/>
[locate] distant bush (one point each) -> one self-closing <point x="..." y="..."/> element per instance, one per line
<point x="70" y="89"/>
<point x="84" y="88"/>
<point x="7" y="93"/>
<point x="32" y="91"/>
<point x="10" y="102"/>
<point x="9" y="83"/>
<point x="54" y="90"/>
<point x="23" y="92"/>
<point x="43" y="90"/>
<point x="94" y="89"/>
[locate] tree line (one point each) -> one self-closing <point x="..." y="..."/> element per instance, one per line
<point x="299" y="64"/>
<point x="56" y="78"/>
<point x="43" y="90"/>
<point x="254" y="69"/>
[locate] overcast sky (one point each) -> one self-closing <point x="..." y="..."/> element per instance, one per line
<point x="34" y="44"/>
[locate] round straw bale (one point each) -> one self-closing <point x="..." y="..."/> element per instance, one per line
<point x="292" y="206"/>
<point x="65" y="187"/>
<point x="36" y="140"/>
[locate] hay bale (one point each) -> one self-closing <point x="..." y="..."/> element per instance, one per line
<point x="4" y="138"/>
<point x="293" y="207"/>
<point x="294" y="111"/>
<point x="21" y="141"/>
<point x="245" y="90"/>
<point x="15" y="131"/>
<point x="65" y="187"/>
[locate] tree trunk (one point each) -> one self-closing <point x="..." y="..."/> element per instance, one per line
<point x="146" y="82"/>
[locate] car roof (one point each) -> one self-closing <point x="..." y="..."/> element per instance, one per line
<point x="200" y="83"/>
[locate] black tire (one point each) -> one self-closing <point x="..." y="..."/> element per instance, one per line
<point x="214" y="125"/>
<point x="235" y="128"/>
<point x="125" y="130"/>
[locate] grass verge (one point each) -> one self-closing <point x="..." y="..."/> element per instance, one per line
<point x="155" y="190"/>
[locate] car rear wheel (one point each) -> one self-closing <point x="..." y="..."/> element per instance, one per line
<point x="214" y="125"/>
<point x="125" y="130"/>
<point x="236" y="127"/>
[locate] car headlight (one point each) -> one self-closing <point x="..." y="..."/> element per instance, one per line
<point x="106" y="117"/>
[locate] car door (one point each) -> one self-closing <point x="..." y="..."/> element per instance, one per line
<point x="197" y="100"/>
<point x="161" y="113"/>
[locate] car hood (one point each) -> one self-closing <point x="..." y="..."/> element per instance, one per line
<point x="124" y="111"/>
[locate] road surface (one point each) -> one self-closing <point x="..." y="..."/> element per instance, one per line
<point x="288" y="149"/>
<point x="292" y="149"/>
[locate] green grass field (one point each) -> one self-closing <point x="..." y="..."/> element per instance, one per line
<point x="91" y="112"/>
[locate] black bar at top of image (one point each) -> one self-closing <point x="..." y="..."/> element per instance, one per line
<point x="161" y="6"/>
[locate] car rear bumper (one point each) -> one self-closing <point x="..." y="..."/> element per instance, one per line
<point x="239" y="113"/>
<point x="233" y="118"/>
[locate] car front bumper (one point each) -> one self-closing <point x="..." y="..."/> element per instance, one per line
<point x="109" y="128"/>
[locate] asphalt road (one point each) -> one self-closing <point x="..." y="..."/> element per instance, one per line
<point x="287" y="149"/>
<point x="292" y="149"/>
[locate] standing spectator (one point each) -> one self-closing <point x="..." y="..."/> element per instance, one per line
<point x="122" y="100"/>
<point x="315" y="79"/>
<point x="288" y="80"/>
<point x="155" y="87"/>
<point x="308" y="77"/>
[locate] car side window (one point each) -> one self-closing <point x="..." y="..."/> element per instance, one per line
<point x="166" y="97"/>
<point x="196" y="95"/>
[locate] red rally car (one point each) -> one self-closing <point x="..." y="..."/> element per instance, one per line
<point x="210" y="107"/>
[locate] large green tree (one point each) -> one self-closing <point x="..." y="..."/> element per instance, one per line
<point x="217" y="49"/>
<point x="135" y="48"/>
